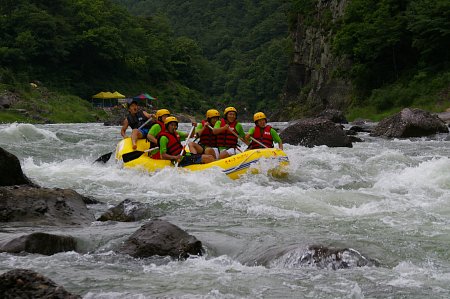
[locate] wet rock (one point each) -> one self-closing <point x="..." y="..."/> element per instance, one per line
<point x="410" y="123"/>
<point x="314" y="132"/>
<point x="445" y="116"/>
<point x="22" y="283"/>
<point x="10" y="170"/>
<point x="89" y="200"/>
<point x="361" y="128"/>
<point x="334" y="258"/>
<point x="159" y="237"/>
<point x="127" y="211"/>
<point x="319" y="256"/>
<point x="41" y="243"/>
<point x="336" y="116"/>
<point x="41" y="206"/>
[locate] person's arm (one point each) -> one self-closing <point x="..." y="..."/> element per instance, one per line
<point x="199" y="129"/>
<point x="276" y="138"/>
<point x="218" y="129"/>
<point x="123" y="131"/>
<point x="148" y="115"/>
<point x="240" y="131"/>
<point x="154" y="131"/>
<point x="183" y="135"/>
<point x="250" y="134"/>
<point x="163" y="150"/>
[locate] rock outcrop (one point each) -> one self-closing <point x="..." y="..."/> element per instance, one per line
<point x="41" y="243"/>
<point x="311" y="83"/>
<point x="127" y="211"/>
<point x="410" y="122"/>
<point x="10" y="170"/>
<point x="314" y="132"/>
<point x="22" y="283"/>
<point x="42" y="206"/>
<point x="323" y="257"/>
<point x="161" y="238"/>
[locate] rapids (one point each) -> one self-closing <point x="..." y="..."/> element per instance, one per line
<point x="388" y="199"/>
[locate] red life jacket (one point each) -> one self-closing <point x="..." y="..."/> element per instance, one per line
<point x="227" y="139"/>
<point x="174" y="146"/>
<point x="157" y="155"/>
<point x="208" y="138"/>
<point x="263" y="136"/>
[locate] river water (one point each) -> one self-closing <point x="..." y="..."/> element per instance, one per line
<point x="387" y="199"/>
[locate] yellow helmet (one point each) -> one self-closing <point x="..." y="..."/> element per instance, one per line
<point x="258" y="115"/>
<point x="162" y="112"/>
<point x="229" y="109"/>
<point x="170" y="119"/>
<point x="212" y="113"/>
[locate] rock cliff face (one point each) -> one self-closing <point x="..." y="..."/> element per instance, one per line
<point x="312" y="84"/>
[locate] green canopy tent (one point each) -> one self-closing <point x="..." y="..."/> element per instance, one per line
<point x="144" y="97"/>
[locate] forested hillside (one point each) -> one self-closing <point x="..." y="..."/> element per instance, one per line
<point x="82" y="47"/>
<point x="194" y="54"/>
<point x="246" y="42"/>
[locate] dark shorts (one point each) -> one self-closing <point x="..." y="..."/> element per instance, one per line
<point x="192" y="159"/>
<point x="144" y="132"/>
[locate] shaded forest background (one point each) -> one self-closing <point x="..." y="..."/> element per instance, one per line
<point x="196" y="54"/>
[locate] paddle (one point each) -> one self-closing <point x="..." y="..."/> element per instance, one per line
<point x="136" y="154"/>
<point x="105" y="158"/>
<point x="186" y="144"/>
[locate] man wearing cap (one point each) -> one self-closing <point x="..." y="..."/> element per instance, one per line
<point x="139" y="122"/>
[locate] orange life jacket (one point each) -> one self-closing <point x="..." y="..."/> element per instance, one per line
<point x="208" y="138"/>
<point x="263" y="136"/>
<point x="174" y="146"/>
<point x="227" y="139"/>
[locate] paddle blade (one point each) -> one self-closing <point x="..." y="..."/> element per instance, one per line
<point x="105" y="158"/>
<point x="131" y="156"/>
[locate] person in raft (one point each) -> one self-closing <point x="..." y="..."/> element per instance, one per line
<point x="155" y="129"/>
<point x="170" y="147"/>
<point x="136" y="119"/>
<point x="263" y="133"/>
<point x="227" y="130"/>
<point x="204" y="131"/>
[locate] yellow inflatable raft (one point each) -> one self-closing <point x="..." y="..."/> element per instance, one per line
<point x="234" y="166"/>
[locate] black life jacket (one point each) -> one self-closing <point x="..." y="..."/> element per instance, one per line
<point x="208" y="138"/>
<point x="227" y="139"/>
<point x="174" y="146"/>
<point x="263" y="136"/>
<point x="137" y="120"/>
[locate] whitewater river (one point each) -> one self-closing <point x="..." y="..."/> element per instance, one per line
<point x="387" y="199"/>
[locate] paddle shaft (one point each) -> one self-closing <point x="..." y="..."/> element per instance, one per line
<point x="186" y="144"/>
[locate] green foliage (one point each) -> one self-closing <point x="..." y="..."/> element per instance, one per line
<point x="389" y="38"/>
<point x="427" y="91"/>
<point x="244" y="43"/>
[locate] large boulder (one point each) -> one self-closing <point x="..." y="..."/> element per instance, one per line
<point x="410" y="122"/>
<point x="10" y="171"/>
<point x="42" y="206"/>
<point x="127" y="211"/>
<point x="41" y="243"/>
<point x="314" y="132"/>
<point x="22" y="283"/>
<point x="297" y="256"/>
<point x="159" y="237"/>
